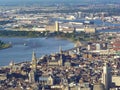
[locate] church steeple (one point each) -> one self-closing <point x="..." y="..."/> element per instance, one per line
<point x="32" y="73"/>
<point x="34" y="61"/>
<point x="60" y="50"/>
<point x="61" y="60"/>
<point x="12" y="64"/>
<point x="33" y="55"/>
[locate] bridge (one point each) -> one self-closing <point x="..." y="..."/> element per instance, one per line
<point x="108" y="28"/>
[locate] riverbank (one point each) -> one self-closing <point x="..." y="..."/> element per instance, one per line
<point x="82" y="36"/>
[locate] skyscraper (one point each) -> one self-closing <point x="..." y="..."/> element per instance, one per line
<point x="106" y="76"/>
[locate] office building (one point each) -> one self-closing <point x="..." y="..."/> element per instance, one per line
<point x="106" y="76"/>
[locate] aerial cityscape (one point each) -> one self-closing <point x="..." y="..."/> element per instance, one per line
<point x="60" y="45"/>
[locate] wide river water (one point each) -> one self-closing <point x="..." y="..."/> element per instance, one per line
<point x="22" y="48"/>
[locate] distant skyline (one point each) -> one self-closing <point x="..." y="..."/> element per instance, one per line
<point x="20" y="2"/>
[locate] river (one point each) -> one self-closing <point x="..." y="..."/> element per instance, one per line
<point x="22" y="48"/>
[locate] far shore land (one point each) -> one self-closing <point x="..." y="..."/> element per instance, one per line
<point x="73" y="37"/>
<point x="33" y="34"/>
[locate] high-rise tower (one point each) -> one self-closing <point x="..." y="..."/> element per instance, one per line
<point x="106" y="76"/>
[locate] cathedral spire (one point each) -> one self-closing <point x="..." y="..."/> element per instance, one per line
<point x="60" y="49"/>
<point x="34" y="61"/>
<point x="12" y="64"/>
<point x="33" y="56"/>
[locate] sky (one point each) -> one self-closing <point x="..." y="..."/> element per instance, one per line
<point x="15" y="2"/>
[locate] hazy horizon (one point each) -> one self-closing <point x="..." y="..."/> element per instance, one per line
<point x="21" y="2"/>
